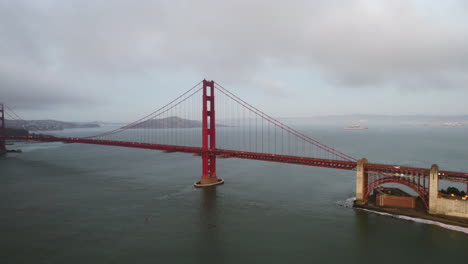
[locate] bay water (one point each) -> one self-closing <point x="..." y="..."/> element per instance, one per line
<point x="76" y="203"/>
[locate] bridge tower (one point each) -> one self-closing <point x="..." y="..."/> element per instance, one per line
<point x="361" y="181"/>
<point x="2" y="129"/>
<point x="433" y="189"/>
<point x="208" y="156"/>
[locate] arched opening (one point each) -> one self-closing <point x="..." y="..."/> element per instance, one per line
<point x="419" y="190"/>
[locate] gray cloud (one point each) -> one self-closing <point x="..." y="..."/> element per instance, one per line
<point x="25" y="87"/>
<point x="352" y="43"/>
<point x="277" y="89"/>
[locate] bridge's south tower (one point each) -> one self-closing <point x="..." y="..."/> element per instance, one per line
<point x="2" y="129"/>
<point x="209" y="177"/>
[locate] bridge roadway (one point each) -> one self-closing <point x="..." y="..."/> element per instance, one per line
<point x="401" y="171"/>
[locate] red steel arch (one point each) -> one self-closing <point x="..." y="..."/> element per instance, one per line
<point x="420" y="190"/>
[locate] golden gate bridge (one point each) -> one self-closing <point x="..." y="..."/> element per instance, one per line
<point x="243" y="132"/>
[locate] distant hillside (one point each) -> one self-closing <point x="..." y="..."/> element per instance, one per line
<point x="169" y="122"/>
<point x="16" y="132"/>
<point x="21" y="132"/>
<point x="46" y="125"/>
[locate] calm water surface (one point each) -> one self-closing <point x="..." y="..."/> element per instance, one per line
<point x="72" y="203"/>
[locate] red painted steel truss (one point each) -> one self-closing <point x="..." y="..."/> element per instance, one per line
<point x="419" y="184"/>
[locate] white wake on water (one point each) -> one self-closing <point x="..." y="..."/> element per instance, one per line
<point x="348" y="203"/>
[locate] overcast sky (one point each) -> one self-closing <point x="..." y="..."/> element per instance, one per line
<point x="116" y="60"/>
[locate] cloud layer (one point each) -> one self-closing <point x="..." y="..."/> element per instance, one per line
<point x="46" y="45"/>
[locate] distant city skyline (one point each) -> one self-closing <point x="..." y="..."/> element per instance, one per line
<point x="115" y="61"/>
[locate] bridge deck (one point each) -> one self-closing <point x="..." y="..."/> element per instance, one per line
<point x="327" y="163"/>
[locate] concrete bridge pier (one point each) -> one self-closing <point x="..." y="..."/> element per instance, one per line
<point x="433" y="188"/>
<point x="2" y="147"/>
<point x="2" y="130"/>
<point x="361" y="181"/>
<point x="443" y="205"/>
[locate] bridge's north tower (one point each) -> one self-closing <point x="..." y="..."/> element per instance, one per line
<point x="2" y="129"/>
<point x="208" y="177"/>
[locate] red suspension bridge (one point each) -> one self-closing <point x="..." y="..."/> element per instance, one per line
<point x="233" y="128"/>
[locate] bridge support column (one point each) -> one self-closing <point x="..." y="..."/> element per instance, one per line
<point x="433" y="189"/>
<point x="209" y="177"/>
<point x="361" y="181"/>
<point x="2" y="130"/>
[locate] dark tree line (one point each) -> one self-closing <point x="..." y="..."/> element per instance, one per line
<point x="453" y="190"/>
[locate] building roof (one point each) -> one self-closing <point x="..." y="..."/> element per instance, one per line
<point x="391" y="191"/>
